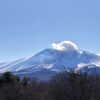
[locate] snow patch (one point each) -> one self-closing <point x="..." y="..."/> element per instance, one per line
<point x="98" y="54"/>
<point x="81" y="65"/>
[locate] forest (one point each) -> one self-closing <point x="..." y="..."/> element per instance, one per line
<point x="64" y="86"/>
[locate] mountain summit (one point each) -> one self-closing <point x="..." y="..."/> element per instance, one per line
<point x="61" y="57"/>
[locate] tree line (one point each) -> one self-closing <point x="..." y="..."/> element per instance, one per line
<point x="64" y="86"/>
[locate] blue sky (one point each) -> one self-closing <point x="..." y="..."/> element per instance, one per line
<point x="29" y="26"/>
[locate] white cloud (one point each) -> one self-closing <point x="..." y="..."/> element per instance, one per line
<point x="65" y="46"/>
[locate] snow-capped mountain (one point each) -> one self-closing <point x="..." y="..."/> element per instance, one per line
<point x="61" y="57"/>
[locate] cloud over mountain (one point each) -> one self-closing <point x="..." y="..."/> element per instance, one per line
<point x="65" y="46"/>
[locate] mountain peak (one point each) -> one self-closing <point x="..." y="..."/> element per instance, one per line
<point x="65" y="46"/>
<point x="61" y="57"/>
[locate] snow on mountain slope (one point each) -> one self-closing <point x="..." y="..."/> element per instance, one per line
<point x="9" y="66"/>
<point x="89" y="68"/>
<point x="61" y="57"/>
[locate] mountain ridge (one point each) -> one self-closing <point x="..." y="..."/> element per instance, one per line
<point x="61" y="57"/>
